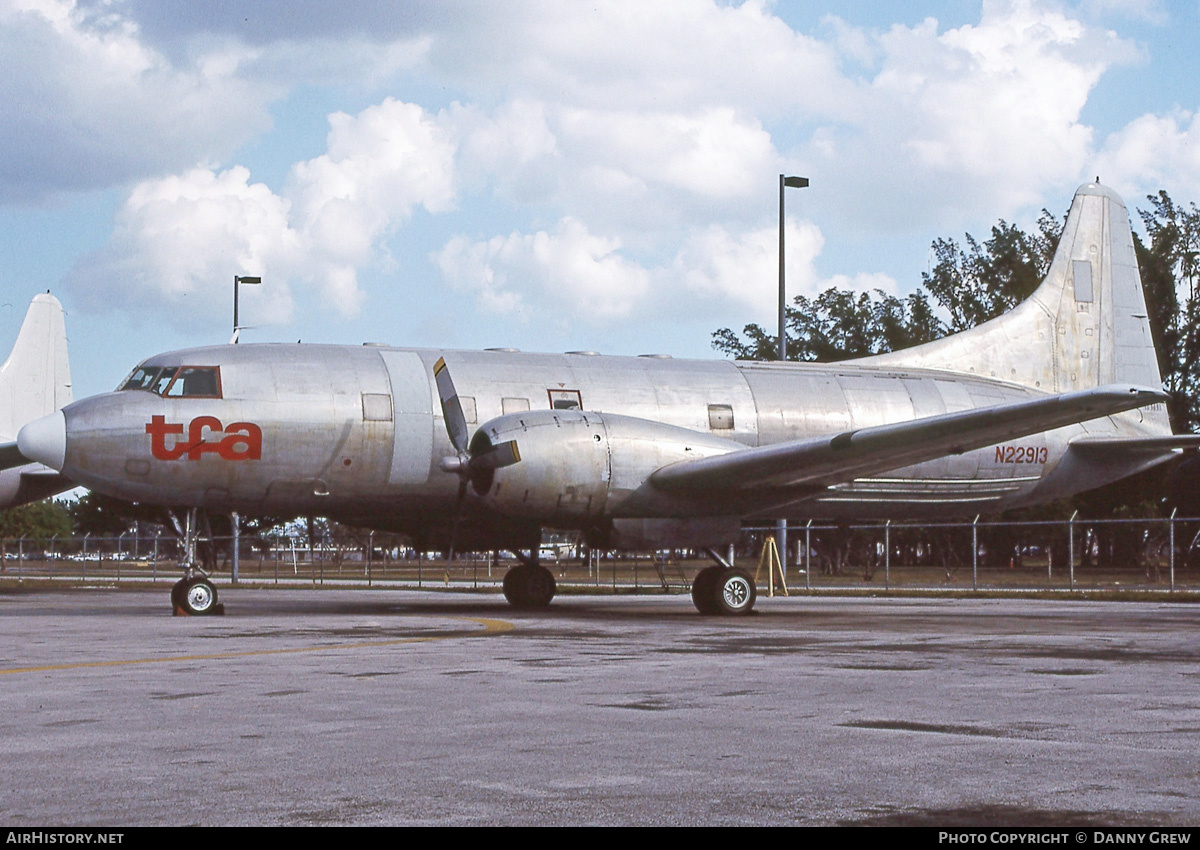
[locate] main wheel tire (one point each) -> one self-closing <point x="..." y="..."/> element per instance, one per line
<point x="704" y="590"/>
<point x="529" y="586"/>
<point x="734" y="592"/>
<point x="540" y="587"/>
<point x="514" y="585"/>
<point x="199" y="597"/>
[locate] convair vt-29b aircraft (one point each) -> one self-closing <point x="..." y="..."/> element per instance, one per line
<point x="484" y="449"/>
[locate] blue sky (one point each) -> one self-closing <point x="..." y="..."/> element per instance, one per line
<point x="544" y="175"/>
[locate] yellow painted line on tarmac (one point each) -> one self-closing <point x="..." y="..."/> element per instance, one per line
<point x="490" y="629"/>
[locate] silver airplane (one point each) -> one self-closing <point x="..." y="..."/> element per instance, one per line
<point x="35" y="380"/>
<point x="1060" y="395"/>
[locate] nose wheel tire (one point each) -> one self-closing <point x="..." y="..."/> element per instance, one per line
<point x="529" y="586"/>
<point x="195" y="597"/>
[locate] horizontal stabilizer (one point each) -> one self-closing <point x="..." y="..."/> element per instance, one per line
<point x="835" y="459"/>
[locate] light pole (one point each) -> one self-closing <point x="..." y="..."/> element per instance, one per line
<point x="234" y="519"/>
<point x="794" y="183"/>
<point x="784" y="183"/>
<point x="237" y="279"/>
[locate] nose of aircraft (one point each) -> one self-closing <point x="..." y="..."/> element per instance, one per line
<point x="45" y="440"/>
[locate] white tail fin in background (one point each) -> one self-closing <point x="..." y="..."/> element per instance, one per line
<point x="36" y="378"/>
<point x="1085" y="326"/>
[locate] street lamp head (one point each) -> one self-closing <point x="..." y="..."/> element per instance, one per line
<point x="247" y="279"/>
<point x="795" y="182"/>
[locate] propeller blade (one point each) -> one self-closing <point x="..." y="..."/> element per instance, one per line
<point x="456" y="423"/>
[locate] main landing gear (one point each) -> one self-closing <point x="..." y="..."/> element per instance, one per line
<point x="529" y="585"/>
<point x="193" y="595"/>
<point x="723" y="589"/>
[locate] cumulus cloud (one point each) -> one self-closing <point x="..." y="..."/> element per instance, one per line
<point x="569" y="271"/>
<point x="572" y="274"/>
<point x="1153" y="152"/>
<point x="88" y="105"/>
<point x="178" y="240"/>
<point x="628" y="151"/>
<point x="973" y="105"/>
<point x="180" y="237"/>
<point x="742" y="269"/>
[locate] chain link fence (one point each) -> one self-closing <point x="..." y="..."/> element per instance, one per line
<point x="1075" y="555"/>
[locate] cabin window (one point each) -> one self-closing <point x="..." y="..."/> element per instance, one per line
<point x="720" y="417"/>
<point x="514" y="405"/>
<point x="565" y="400"/>
<point x="194" y="382"/>
<point x="468" y="409"/>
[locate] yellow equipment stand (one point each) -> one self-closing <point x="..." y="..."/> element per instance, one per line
<point x="770" y="559"/>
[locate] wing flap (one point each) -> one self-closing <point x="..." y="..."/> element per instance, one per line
<point x="834" y="459"/>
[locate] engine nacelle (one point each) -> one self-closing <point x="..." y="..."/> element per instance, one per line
<point x="576" y="465"/>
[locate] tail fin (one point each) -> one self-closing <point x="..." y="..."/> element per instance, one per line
<point x="36" y="378"/>
<point x="1085" y="326"/>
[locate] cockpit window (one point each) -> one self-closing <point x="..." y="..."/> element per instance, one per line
<point x="176" y="381"/>
<point x="195" y="382"/>
<point x="161" y="380"/>
<point x="142" y="378"/>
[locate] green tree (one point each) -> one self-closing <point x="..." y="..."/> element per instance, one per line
<point x="982" y="281"/>
<point x="36" y="521"/>
<point x="1169" y="269"/>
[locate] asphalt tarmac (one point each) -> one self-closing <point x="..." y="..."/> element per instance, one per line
<point x="373" y="707"/>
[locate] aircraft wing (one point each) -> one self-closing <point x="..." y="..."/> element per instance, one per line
<point x="10" y="456"/>
<point x="820" y="462"/>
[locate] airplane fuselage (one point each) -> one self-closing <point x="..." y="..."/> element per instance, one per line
<point x="356" y="432"/>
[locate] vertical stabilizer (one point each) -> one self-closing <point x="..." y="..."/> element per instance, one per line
<point x="1085" y="326"/>
<point x="36" y="378"/>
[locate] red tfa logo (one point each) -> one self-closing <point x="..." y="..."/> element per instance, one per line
<point x="242" y="440"/>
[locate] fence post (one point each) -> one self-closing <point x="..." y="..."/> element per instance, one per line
<point x="236" y="522"/>
<point x="1171" y="523"/>
<point x="975" y="554"/>
<point x="887" y="555"/>
<point x="370" y="555"/>
<point x="154" y="569"/>
<point x="1071" y="550"/>
<point x="20" y="554"/>
<point x="807" y="554"/>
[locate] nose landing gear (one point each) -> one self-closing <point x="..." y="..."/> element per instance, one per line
<point x="193" y="595"/>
